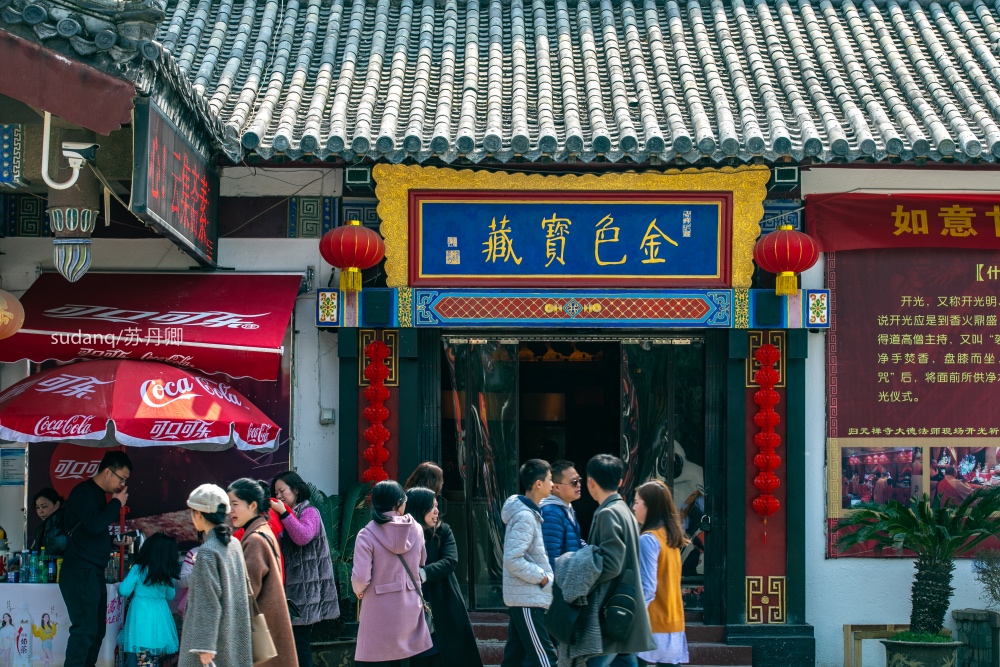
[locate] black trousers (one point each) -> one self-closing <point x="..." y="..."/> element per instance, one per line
<point x="303" y="640"/>
<point x="528" y="642"/>
<point x="86" y="597"/>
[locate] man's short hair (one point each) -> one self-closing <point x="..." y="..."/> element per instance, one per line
<point x="606" y="470"/>
<point x="115" y="460"/>
<point x="559" y="467"/>
<point x="533" y="470"/>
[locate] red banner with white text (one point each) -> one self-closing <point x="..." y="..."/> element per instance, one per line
<point x="848" y="221"/>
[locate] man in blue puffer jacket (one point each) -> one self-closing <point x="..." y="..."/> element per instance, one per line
<point x="560" y="528"/>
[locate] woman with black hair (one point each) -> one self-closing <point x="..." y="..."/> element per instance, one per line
<point x="217" y="617"/>
<point x="309" y="582"/>
<point x="440" y="587"/>
<point x="248" y="511"/>
<point x="388" y="555"/>
<point x="50" y="534"/>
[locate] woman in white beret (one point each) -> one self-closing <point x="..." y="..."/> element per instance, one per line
<point x="217" y="616"/>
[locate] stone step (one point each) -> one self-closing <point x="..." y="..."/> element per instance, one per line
<point x="719" y="654"/>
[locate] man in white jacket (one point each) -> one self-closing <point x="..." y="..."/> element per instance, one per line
<point x="527" y="575"/>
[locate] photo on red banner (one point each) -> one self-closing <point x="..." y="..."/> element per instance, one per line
<point x="955" y="472"/>
<point x="874" y="474"/>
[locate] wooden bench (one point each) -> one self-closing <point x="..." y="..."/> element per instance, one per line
<point x="855" y="633"/>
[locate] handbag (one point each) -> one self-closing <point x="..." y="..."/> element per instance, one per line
<point x="428" y="614"/>
<point x="261" y="644"/>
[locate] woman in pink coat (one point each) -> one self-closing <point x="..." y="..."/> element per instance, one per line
<point x="391" y="626"/>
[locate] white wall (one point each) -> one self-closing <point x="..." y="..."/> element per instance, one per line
<point x="853" y="590"/>
<point x="315" y="370"/>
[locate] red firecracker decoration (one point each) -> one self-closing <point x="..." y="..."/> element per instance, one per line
<point x="786" y="252"/>
<point x="376" y="413"/>
<point x="767" y="441"/>
<point x="352" y="248"/>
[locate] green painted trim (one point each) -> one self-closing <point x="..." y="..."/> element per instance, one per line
<point x="716" y="484"/>
<point x="795" y="474"/>
<point x="735" y="439"/>
<point x="347" y="350"/>
<point x="409" y="414"/>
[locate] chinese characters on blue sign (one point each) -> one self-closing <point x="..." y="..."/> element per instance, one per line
<point x="541" y="238"/>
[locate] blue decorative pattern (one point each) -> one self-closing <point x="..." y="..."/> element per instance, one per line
<point x="366" y="211"/>
<point x="573" y="308"/>
<point x="779" y="212"/>
<point x="311" y="217"/>
<point x="10" y="155"/>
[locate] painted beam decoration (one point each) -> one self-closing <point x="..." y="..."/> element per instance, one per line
<point x="566" y="308"/>
<point x="447" y="228"/>
<point x="10" y="155"/>
<point x="592" y="239"/>
<point x="174" y="187"/>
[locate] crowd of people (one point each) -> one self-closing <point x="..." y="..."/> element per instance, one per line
<point x="263" y="549"/>
<point x="613" y="600"/>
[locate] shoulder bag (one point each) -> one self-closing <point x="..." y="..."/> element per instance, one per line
<point x="293" y="609"/>
<point x="619" y="609"/>
<point x="261" y="643"/>
<point x="428" y="614"/>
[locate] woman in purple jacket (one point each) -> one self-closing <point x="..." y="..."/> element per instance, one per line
<point x="391" y="627"/>
<point x="309" y="582"/>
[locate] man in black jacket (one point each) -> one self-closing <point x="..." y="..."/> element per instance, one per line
<point x="81" y="581"/>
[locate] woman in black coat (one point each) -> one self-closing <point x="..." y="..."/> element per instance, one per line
<point x="440" y="587"/>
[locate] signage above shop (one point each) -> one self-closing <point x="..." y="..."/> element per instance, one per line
<point x="174" y="187"/>
<point x="450" y="228"/>
<point x="858" y="221"/>
<point x="648" y="239"/>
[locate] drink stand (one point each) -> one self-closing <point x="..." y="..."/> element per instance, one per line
<point x="113" y="404"/>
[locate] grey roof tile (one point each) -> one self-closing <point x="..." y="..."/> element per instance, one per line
<point x="416" y="79"/>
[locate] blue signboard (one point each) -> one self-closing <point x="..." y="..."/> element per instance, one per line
<point x="570" y="239"/>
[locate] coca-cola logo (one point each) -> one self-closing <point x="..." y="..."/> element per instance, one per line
<point x="212" y="319"/>
<point x="71" y="386"/>
<point x="188" y="429"/>
<point x="259" y="435"/>
<point x="72" y="464"/>
<point x="158" y="394"/>
<point x="219" y="390"/>
<point x="77" y="425"/>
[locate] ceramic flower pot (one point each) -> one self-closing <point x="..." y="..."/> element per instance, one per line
<point x="920" y="654"/>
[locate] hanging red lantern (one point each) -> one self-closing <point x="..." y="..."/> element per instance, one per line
<point x="766" y="460"/>
<point x="786" y="252"/>
<point x="766" y="505"/>
<point x="11" y="315"/>
<point x="352" y="248"/>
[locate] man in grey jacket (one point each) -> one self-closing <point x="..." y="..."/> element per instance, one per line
<point x="615" y="534"/>
<point x="527" y="575"/>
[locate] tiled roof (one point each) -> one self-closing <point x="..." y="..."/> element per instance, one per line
<point x="720" y="79"/>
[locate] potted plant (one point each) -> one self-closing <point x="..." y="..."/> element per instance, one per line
<point x="935" y="535"/>
<point x="343" y="517"/>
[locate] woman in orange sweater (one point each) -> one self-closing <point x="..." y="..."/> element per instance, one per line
<point x="660" y="567"/>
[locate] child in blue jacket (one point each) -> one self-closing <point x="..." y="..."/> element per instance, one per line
<point x="560" y="528"/>
<point x="149" y="633"/>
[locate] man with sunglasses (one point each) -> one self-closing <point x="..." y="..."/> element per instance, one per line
<point x="81" y="582"/>
<point x="560" y="528"/>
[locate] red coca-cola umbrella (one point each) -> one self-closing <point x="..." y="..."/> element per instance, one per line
<point x="132" y="403"/>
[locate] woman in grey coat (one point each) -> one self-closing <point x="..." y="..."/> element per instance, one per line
<point x="217" y="616"/>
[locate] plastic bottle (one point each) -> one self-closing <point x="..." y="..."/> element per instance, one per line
<point x="33" y="568"/>
<point x="51" y="571"/>
<point x="23" y="638"/>
<point x="25" y="566"/>
<point x="43" y="568"/>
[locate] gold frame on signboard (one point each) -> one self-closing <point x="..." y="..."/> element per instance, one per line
<point x="393" y="183"/>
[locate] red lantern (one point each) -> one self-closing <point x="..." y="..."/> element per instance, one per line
<point x="11" y="315"/>
<point x="351" y="248"/>
<point x="766" y="505"/>
<point x="785" y="252"/>
<point x="376" y="435"/>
